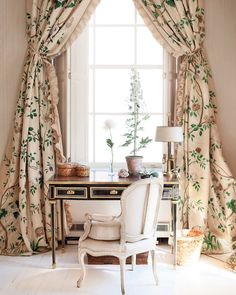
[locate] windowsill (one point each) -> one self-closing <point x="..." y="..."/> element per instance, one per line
<point x="117" y="166"/>
<point x="95" y="169"/>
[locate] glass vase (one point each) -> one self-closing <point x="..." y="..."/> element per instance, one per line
<point x="111" y="169"/>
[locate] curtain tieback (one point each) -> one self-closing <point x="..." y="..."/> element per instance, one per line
<point x="192" y="53"/>
<point x="34" y="51"/>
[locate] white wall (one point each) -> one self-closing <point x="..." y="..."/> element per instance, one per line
<point x="220" y="43"/>
<point x="12" y="52"/>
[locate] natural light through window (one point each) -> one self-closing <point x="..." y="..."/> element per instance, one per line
<point x="118" y="41"/>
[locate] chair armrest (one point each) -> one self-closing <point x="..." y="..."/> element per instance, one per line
<point x="89" y="218"/>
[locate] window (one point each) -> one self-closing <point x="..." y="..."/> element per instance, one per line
<point x="115" y="41"/>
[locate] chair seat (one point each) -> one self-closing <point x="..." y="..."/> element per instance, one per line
<point x="109" y="231"/>
<point x="113" y="247"/>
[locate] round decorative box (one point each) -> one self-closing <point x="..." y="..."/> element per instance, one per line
<point x="66" y="169"/>
<point x="82" y="170"/>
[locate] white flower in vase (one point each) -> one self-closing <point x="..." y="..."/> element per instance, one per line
<point x="109" y="125"/>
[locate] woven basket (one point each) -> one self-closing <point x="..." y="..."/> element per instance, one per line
<point x="188" y="248"/>
<point x="66" y="169"/>
<point x="82" y="171"/>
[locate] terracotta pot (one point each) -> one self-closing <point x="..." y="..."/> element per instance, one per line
<point x="134" y="164"/>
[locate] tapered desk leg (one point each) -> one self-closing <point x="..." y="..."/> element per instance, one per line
<point x="174" y="212"/>
<point x="62" y="226"/>
<point x="175" y="200"/>
<point x="53" y="229"/>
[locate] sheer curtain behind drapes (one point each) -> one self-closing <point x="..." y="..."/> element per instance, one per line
<point x="207" y="187"/>
<point x="36" y="142"/>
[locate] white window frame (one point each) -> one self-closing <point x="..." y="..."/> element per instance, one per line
<point x="76" y="97"/>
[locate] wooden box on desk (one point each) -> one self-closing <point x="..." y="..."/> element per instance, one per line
<point x="141" y="258"/>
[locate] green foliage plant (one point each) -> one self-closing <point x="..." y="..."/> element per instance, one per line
<point x="136" y="117"/>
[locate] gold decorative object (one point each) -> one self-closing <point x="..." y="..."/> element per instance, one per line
<point x="70" y="192"/>
<point x="113" y="192"/>
<point x="169" y="134"/>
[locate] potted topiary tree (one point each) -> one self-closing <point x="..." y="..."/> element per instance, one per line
<point x="134" y="124"/>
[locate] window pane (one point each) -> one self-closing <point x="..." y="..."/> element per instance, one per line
<point x="102" y="151"/>
<point x="152" y="86"/>
<point x="91" y="45"/>
<point x="113" y="12"/>
<point x="91" y="91"/>
<point x="112" y="90"/>
<point x="92" y="18"/>
<point x="152" y="153"/>
<point x="139" y="19"/>
<point x="113" y="50"/>
<point x="114" y="46"/>
<point x="149" y="51"/>
<point x="91" y="140"/>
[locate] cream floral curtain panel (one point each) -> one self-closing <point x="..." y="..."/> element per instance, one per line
<point x="35" y="145"/>
<point x="208" y="189"/>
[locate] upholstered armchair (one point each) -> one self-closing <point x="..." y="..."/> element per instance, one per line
<point x="130" y="233"/>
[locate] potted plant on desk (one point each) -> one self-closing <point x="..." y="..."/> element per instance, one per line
<point x="134" y="124"/>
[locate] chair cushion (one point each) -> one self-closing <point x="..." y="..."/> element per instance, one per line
<point x="114" y="247"/>
<point x="107" y="231"/>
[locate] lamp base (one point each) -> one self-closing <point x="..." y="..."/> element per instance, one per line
<point x="168" y="174"/>
<point x="170" y="166"/>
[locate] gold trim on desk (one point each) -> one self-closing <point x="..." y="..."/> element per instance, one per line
<point x="71" y="193"/>
<point x="103" y="180"/>
<point x="74" y="182"/>
<point x="169" y="190"/>
<point x="52" y="201"/>
<point x="113" y="192"/>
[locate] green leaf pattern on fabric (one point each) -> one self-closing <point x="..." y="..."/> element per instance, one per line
<point x="36" y="142"/>
<point x="208" y="189"/>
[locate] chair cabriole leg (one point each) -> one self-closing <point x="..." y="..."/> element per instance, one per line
<point x="122" y="274"/>
<point x="83" y="269"/>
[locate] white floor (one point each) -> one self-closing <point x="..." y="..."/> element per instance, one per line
<point x="33" y="275"/>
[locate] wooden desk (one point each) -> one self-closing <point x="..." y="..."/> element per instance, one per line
<point x="101" y="186"/>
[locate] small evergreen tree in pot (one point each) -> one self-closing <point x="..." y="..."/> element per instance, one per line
<point x="134" y="124"/>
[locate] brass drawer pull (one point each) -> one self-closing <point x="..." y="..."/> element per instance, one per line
<point x="114" y="192"/>
<point x="70" y="192"/>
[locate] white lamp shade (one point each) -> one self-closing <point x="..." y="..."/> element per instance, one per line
<point x="169" y="134"/>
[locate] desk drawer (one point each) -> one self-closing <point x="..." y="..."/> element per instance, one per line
<point x="71" y="193"/>
<point x="167" y="193"/>
<point x="106" y="192"/>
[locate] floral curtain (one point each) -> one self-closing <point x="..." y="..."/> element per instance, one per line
<point x="35" y="145"/>
<point x="208" y="196"/>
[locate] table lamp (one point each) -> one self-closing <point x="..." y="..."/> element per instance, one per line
<point x="169" y="134"/>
